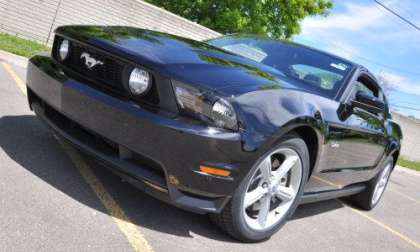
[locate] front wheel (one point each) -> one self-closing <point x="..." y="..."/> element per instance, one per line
<point x="269" y="194"/>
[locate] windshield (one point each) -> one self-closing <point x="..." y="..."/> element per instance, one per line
<point x="313" y="70"/>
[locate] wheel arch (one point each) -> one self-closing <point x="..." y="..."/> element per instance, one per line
<point x="310" y="137"/>
<point x="309" y="131"/>
<point x="395" y="155"/>
<point x="394" y="150"/>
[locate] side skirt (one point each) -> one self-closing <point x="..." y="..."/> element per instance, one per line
<point x="333" y="194"/>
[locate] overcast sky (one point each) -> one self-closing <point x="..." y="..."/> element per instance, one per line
<point x="365" y="33"/>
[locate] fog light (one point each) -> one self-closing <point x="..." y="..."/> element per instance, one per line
<point x="63" y="50"/>
<point x="139" y="82"/>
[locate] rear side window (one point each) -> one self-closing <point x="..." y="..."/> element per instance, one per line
<point x="362" y="87"/>
<point x="370" y="88"/>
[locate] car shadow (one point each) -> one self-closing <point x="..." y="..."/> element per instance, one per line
<point x="28" y="142"/>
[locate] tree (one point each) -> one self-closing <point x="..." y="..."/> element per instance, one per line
<point x="275" y="18"/>
<point x="385" y="82"/>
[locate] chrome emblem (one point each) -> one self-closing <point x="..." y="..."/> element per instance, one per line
<point x="90" y="62"/>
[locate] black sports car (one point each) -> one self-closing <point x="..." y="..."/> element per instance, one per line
<point x="242" y="128"/>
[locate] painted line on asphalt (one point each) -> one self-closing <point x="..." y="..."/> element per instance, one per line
<point x="383" y="225"/>
<point x="378" y="222"/>
<point x="391" y="190"/>
<point x="404" y="196"/>
<point x="21" y="85"/>
<point x="133" y="235"/>
<point x="327" y="182"/>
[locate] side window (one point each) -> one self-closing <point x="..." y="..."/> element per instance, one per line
<point x="315" y="76"/>
<point x="370" y="88"/>
<point x="365" y="85"/>
<point x="362" y="87"/>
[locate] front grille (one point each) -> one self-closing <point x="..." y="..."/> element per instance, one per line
<point x="107" y="76"/>
<point x="109" y="73"/>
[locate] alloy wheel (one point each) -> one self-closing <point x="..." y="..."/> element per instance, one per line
<point x="381" y="184"/>
<point x="272" y="189"/>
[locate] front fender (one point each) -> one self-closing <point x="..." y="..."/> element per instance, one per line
<point x="394" y="134"/>
<point x="267" y="115"/>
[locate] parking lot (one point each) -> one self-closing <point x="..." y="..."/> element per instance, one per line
<point x="53" y="198"/>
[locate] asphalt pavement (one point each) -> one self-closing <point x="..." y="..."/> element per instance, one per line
<point x="52" y="198"/>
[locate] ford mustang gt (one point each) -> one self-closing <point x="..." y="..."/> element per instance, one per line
<point x="242" y="128"/>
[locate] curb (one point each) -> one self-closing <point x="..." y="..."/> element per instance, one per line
<point x="407" y="171"/>
<point x="13" y="59"/>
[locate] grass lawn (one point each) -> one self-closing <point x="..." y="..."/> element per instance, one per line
<point x="409" y="164"/>
<point x="19" y="46"/>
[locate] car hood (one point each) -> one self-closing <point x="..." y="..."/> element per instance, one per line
<point x="186" y="60"/>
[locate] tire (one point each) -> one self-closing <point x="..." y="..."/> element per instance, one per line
<point x="234" y="218"/>
<point x="367" y="200"/>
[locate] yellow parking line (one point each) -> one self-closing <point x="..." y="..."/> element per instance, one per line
<point x="133" y="235"/>
<point x="378" y="222"/>
<point x="21" y="85"/>
<point x="404" y="195"/>
<point x="327" y="181"/>
<point x="384" y="226"/>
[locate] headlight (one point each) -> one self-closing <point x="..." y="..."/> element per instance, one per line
<point x="224" y="115"/>
<point x="211" y="109"/>
<point x="139" y="82"/>
<point x="63" y="50"/>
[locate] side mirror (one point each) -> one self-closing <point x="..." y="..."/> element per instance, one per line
<point x="369" y="103"/>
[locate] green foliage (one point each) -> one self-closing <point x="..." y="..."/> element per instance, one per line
<point x="275" y="18"/>
<point x="409" y="164"/>
<point x="20" y="46"/>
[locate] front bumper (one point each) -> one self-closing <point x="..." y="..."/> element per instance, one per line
<point x="158" y="154"/>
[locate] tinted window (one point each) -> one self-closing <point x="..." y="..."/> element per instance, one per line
<point x="309" y="68"/>
<point x="316" y="76"/>
<point x="365" y="89"/>
<point x="366" y="86"/>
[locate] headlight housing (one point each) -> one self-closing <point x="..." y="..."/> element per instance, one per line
<point x="224" y="115"/>
<point x="63" y="49"/>
<point x="139" y="82"/>
<point x="208" y="108"/>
